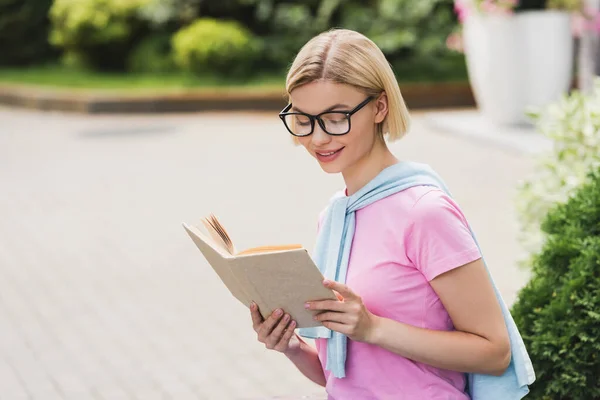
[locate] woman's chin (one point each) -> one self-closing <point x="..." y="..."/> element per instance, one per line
<point x="330" y="168"/>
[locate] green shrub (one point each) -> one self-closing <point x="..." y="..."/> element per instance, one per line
<point x="558" y="311"/>
<point x="573" y="125"/>
<point x="98" y="32"/>
<point x="153" y="55"/>
<point x="405" y="30"/>
<point x="218" y="47"/>
<point x="24" y="29"/>
<point x="162" y="13"/>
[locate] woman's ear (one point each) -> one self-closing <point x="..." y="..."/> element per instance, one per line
<point x="381" y="108"/>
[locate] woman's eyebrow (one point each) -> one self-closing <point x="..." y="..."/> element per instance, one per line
<point x="333" y="107"/>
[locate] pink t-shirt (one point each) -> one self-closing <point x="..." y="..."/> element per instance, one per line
<point x="401" y="243"/>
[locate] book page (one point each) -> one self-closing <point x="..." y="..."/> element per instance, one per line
<point x="268" y="249"/>
<point x="218" y="233"/>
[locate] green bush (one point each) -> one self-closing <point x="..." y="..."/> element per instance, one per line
<point x="217" y="47"/>
<point x="153" y="55"/>
<point x="573" y="126"/>
<point x="558" y="311"/>
<point x="162" y="13"/>
<point x="24" y="29"/>
<point x="406" y="30"/>
<point x="97" y="32"/>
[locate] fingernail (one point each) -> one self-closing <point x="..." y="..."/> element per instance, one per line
<point x="278" y="312"/>
<point x="292" y="324"/>
<point x="253" y="306"/>
<point x="307" y="305"/>
<point x="326" y="282"/>
<point x="286" y="317"/>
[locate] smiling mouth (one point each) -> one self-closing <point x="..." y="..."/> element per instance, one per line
<point x="330" y="153"/>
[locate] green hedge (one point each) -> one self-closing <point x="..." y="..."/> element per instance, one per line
<point x="406" y="30"/>
<point x="24" y="29"/>
<point x="103" y="34"/>
<point x="152" y="55"/>
<point x="97" y="33"/>
<point x="217" y="47"/>
<point x="558" y="311"/>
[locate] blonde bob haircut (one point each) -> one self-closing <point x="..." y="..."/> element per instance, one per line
<point x="348" y="57"/>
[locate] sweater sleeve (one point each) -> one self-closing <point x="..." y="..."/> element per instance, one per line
<point x="438" y="238"/>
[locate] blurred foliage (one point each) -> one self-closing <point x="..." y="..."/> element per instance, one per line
<point x="96" y="33"/>
<point x="173" y="13"/>
<point x="24" y="26"/>
<point x="406" y="31"/>
<point x="572" y="5"/>
<point x="573" y="126"/>
<point x="105" y="33"/>
<point x="215" y="46"/>
<point x="403" y="29"/>
<point x="558" y="311"/>
<point x="152" y="54"/>
<point x="57" y="75"/>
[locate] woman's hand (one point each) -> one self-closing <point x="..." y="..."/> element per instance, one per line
<point x="276" y="332"/>
<point x="348" y="315"/>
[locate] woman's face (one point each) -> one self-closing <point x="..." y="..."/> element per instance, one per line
<point x="337" y="153"/>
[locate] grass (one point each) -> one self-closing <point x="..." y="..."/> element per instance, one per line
<point x="56" y="76"/>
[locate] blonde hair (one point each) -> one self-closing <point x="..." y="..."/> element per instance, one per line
<point x="348" y="57"/>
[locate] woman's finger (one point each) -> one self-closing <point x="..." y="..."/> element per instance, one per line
<point x="267" y="326"/>
<point x="334" y="326"/>
<point x="257" y="319"/>
<point x="277" y="332"/>
<point x="287" y="335"/>
<point x="332" y="305"/>
<point x="342" y="289"/>
<point x="333" y="316"/>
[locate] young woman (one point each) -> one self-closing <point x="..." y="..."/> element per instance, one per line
<point x="417" y="307"/>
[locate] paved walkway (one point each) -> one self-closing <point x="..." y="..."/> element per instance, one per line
<point x="103" y="295"/>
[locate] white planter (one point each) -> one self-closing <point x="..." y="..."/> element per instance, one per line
<point x="518" y="61"/>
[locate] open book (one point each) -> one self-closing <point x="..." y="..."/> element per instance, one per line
<point x="281" y="276"/>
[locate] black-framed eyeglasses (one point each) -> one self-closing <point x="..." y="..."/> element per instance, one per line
<point x="334" y="123"/>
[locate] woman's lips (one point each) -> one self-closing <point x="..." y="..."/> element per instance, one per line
<point x="329" y="155"/>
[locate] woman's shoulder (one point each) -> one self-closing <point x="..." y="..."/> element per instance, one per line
<point x="416" y="206"/>
<point x="406" y="200"/>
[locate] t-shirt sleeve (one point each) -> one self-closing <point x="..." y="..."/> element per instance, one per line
<point x="438" y="238"/>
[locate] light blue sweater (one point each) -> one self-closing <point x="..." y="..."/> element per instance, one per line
<point x="331" y="255"/>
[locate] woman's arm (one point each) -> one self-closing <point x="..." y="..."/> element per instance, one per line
<point x="480" y="343"/>
<point x="276" y="332"/>
<point x="306" y="359"/>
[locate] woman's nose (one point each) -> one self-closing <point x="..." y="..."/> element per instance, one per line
<point x="319" y="136"/>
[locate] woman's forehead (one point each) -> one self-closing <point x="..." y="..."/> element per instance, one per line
<point x="320" y="96"/>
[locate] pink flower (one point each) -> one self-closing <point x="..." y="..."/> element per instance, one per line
<point x="454" y="42"/>
<point x="489" y="6"/>
<point x="462" y="8"/>
<point x="578" y="25"/>
<point x="588" y="21"/>
<point x="594" y="24"/>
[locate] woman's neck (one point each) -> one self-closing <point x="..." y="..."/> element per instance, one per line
<point x="361" y="173"/>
